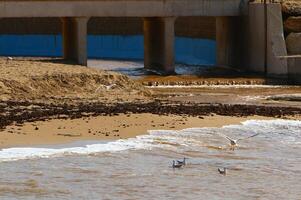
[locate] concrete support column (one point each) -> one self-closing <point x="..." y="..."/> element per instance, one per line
<point x="266" y="51"/>
<point x="159" y="36"/>
<point x="227" y="41"/>
<point x="276" y="46"/>
<point x="75" y="39"/>
<point x="256" y="38"/>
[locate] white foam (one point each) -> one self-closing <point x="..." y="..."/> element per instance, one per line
<point x="277" y="122"/>
<point x="223" y="86"/>
<point x="164" y="139"/>
<point x="13" y="154"/>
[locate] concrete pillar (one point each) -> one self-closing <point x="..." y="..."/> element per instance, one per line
<point x="75" y="39"/>
<point x="266" y="52"/>
<point x="294" y="69"/>
<point x="276" y="46"/>
<point x="256" y="38"/>
<point x="227" y="41"/>
<point x="159" y="36"/>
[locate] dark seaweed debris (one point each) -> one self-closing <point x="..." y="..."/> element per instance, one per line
<point x="20" y="112"/>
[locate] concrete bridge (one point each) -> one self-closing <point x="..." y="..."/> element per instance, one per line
<point x="118" y="8"/>
<point x="236" y="24"/>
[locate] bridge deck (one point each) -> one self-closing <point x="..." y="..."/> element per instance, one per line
<point x="118" y="8"/>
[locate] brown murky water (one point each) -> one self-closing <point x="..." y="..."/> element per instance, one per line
<point x="267" y="166"/>
<point x="208" y="84"/>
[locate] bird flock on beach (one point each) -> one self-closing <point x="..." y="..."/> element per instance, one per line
<point x="177" y="164"/>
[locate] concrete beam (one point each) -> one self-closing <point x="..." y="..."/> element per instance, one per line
<point x="119" y="8"/>
<point x="159" y="36"/>
<point x="75" y="39"/>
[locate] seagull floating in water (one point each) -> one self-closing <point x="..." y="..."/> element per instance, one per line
<point x="176" y="165"/>
<point x="182" y="162"/>
<point x="233" y="142"/>
<point x="222" y="171"/>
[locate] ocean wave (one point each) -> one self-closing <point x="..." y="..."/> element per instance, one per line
<point x="13" y="154"/>
<point x="287" y="131"/>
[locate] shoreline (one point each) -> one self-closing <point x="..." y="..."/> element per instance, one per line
<point x="24" y="124"/>
<point x="102" y="128"/>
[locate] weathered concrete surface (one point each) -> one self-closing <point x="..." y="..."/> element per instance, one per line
<point x="119" y="8"/>
<point x="159" y="44"/>
<point x="266" y="53"/>
<point x="294" y="69"/>
<point x="293" y="43"/>
<point x="227" y="40"/>
<point x="292" y="24"/>
<point x="75" y="39"/>
<point x="194" y="27"/>
<point x="276" y="46"/>
<point x="256" y="38"/>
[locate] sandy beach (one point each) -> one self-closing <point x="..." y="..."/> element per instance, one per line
<point x="123" y="126"/>
<point x="54" y="102"/>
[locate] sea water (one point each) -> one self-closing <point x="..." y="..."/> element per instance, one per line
<point x="267" y="166"/>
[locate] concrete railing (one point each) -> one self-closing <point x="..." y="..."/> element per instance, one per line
<point x="119" y="8"/>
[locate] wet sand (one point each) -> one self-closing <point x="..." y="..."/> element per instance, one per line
<point x="60" y="131"/>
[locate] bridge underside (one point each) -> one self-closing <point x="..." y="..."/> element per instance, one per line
<point x="158" y="16"/>
<point x="159" y="37"/>
<point x="239" y="31"/>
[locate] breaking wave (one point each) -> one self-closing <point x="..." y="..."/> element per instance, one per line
<point x="282" y="132"/>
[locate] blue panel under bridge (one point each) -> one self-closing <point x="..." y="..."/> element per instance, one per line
<point x="190" y="51"/>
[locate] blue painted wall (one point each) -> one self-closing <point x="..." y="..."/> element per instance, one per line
<point x="188" y="50"/>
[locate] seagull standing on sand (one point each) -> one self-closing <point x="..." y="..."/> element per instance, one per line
<point x="106" y="87"/>
<point x="8" y="59"/>
<point x="109" y="87"/>
<point x="234" y="143"/>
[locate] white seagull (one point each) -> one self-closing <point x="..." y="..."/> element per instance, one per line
<point x="233" y="142"/>
<point x="109" y="87"/>
<point x="9" y="59"/>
